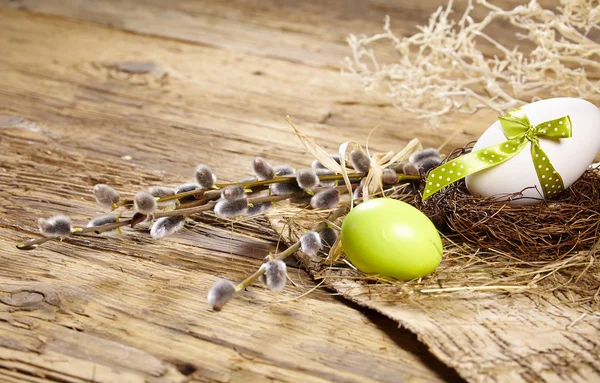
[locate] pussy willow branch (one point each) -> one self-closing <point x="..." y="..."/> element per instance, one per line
<point x="256" y="186"/>
<point x="33" y="243"/>
<point x="207" y="202"/>
<point x="340" y="211"/>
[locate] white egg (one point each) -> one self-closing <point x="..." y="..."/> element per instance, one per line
<point x="569" y="156"/>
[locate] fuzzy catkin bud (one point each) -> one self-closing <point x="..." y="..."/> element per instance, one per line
<point x="233" y="192"/>
<point x="248" y="179"/>
<point x="422" y="154"/>
<point x="326" y="172"/>
<point x="166" y="226"/>
<point x="205" y="177"/>
<point x="357" y="194"/>
<point x="57" y="226"/>
<point x="161" y="191"/>
<point x="318" y="165"/>
<point x="284" y="170"/>
<point x="410" y="169"/>
<point x="137" y="219"/>
<point x="325" y="199"/>
<point x="428" y="163"/>
<point x="144" y="203"/>
<point x="389" y="176"/>
<point x="105" y="195"/>
<point x="259" y="208"/>
<point x="360" y="161"/>
<point x="275" y="275"/>
<point x="310" y="243"/>
<point x="328" y="237"/>
<point x="102" y="220"/>
<point x="285" y="188"/>
<point x="226" y="208"/>
<point x="262" y="169"/>
<point x="307" y="179"/>
<point x="220" y="293"/>
<point x="186" y="188"/>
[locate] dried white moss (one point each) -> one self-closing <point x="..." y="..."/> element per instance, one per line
<point x="441" y="70"/>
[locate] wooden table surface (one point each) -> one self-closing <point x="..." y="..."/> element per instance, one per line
<point x="136" y="93"/>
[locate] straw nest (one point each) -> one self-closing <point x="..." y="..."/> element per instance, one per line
<point x="542" y="231"/>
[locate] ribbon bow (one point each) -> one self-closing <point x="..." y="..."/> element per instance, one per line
<point x="519" y="131"/>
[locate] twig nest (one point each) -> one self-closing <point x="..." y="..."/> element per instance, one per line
<point x="545" y="231"/>
<point x="391" y="238"/>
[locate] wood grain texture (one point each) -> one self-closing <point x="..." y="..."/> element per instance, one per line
<point x="203" y="93"/>
<point x="499" y="337"/>
<point x="494" y="337"/>
<point x="87" y="84"/>
<point x="130" y="309"/>
<point x="84" y="103"/>
<point x="309" y="32"/>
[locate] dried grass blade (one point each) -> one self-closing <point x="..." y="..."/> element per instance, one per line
<point x="336" y="251"/>
<point x="318" y="152"/>
<point x="343" y="149"/>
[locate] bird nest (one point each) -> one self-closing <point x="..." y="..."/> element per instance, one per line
<point x="544" y="231"/>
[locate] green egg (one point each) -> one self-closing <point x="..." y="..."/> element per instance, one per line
<point x="391" y="238"/>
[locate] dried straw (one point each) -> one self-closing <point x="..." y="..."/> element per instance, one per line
<point x="489" y="246"/>
<point x="466" y="269"/>
<point x="492" y="247"/>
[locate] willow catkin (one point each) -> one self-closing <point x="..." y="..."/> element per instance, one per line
<point x="328" y="237"/>
<point x="284" y="170"/>
<point x="326" y="172"/>
<point x="325" y="199"/>
<point x="166" y="226"/>
<point x="428" y="163"/>
<point x="259" y="208"/>
<point x="220" y="293"/>
<point x="310" y="243"/>
<point x="57" y="226"/>
<point x="410" y="169"/>
<point x="204" y="176"/>
<point x="188" y="187"/>
<point x="161" y="191"/>
<point x="307" y="179"/>
<point x="105" y="195"/>
<point x="423" y="154"/>
<point x="389" y="176"/>
<point x="144" y="203"/>
<point x="360" y="161"/>
<point x="275" y="275"/>
<point x="233" y="192"/>
<point x="102" y="220"/>
<point x="226" y="208"/>
<point x="285" y="188"/>
<point x="262" y="169"/>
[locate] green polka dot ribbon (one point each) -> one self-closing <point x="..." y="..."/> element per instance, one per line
<point x="519" y="131"/>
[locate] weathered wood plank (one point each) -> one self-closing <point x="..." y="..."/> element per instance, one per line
<point x="127" y="308"/>
<point x="131" y="309"/>
<point x="500" y="338"/>
<point x="194" y="82"/>
<point x="306" y="32"/>
<point x="488" y="337"/>
<point x="202" y="104"/>
<point x="311" y="33"/>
